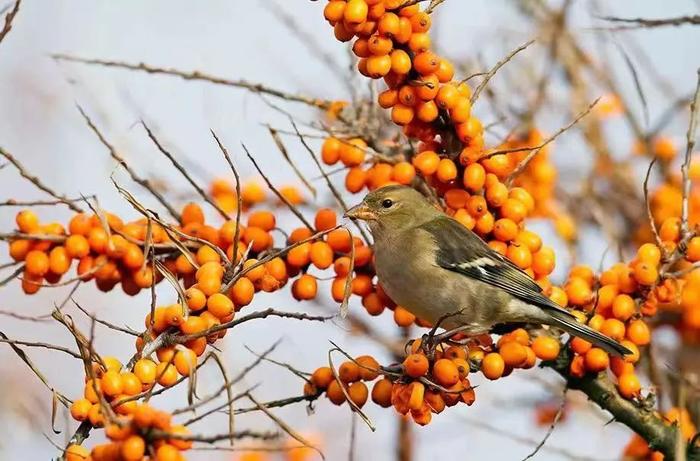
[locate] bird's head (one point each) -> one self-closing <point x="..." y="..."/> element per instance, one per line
<point x="394" y="208"/>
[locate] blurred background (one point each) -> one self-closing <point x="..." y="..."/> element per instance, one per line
<point x="283" y="44"/>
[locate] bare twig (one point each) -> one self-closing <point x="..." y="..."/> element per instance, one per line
<point x="184" y="172"/>
<point x="495" y="69"/>
<point x="8" y="20"/>
<point x="145" y="183"/>
<point x="282" y="198"/>
<point x="690" y="145"/>
<point x="636" y="23"/>
<point x="37" y="182"/>
<point x="201" y="76"/>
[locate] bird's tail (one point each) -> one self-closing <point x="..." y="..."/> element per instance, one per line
<point x="568" y="323"/>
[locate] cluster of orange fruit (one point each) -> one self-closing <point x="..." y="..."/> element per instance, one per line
<point x="638" y="448"/>
<point x="109" y="252"/>
<point x="129" y="423"/>
<point x="429" y="382"/>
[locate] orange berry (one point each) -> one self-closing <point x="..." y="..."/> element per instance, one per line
<point x="166" y="374"/>
<point x="426" y="162"/>
<point x="651" y="254"/>
<point x="321" y="255"/>
<point x="36" y="263"/>
<point x="514" y="354"/>
<point x="623" y="307"/>
<point x="111" y="383"/>
<point x="185" y="361"/>
<point x="613" y="328"/>
<point x="446" y="171"/>
<point x="242" y="292"/>
<point x="76" y="452"/>
<point x="305" y="287"/>
<point x="358" y="393"/>
<point x="416" y="365"/>
<point x="445" y="372"/>
<point x="474" y="177"/>
<point x="403" y="317"/>
<point x="596" y="360"/>
<point x="335" y="393"/>
<point x="339" y="240"/>
<point x="645" y="273"/>
<point x="192" y="213"/>
<point x="330" y="150"/>
<point x="369" y="367"/>
<point x="145" y="371"/>
<point x="546" y="347"/>
<point x="402" y="114"/>
<point x="629" y="386"/>
<point x="638" y="332"/>
<point x="493" y="366"/>
<point x="580" y="345"/>
<point x="195" y="298"/>
<point x="325" y="219"/>
<point x="355" y="12"/>
<point x="381" y="392"/>
<point x="322" y="377"/>
<point x="219" y="305"/>
<point x="133" y="448"/>
<point x="27" y="221"/>
<point x="349" y="372"/>
<point x="79" y="409"/>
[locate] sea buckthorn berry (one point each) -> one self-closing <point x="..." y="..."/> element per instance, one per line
<point x="388" y="98"/>
<point x="195" y="298"/>
<point x="445" y="71"/>
<point x="426" y="162"/>
<point x="403" y="317"/>
<point x="514" y="209"/>
<point x="645" y="273"/>
<point x="381" y="392"/>
<point x="325" y="219"/>
<point x="145" y="371"/>
<point x="305" y="287"/>
<point x="219" y="305"/>
<point x="334" y="11"/>
<point x="474" y="177"/>
<point x="505" y="230"/>
<point x="493" y="366"/>
<point x="546" y="347"/>
<point x="427" y="111"/>
<point x="322" y="377"/>
<point x="514" y="354"/>
<point x="613" y="328"/>
<point x="623" y="307"/>
<point x="369" y="367"/>
<point x="670" y="229"/>
<point x="76" y="452"/>
<point x="111" y="383"/>
<point x="79" y="409"/>
<point x="446" y="170"/>
<point x="27" y="221"/>
<point x="420" y="43"/>
<point x="349" y="372"/>
<point x="402" y="114"/>
<point x="133" y="448"/>
<point x="580" y="345"/>
<point x="629" y="386"/>
<point x="461" y="111"/>
<point x="321" y="255"/>
<point x="185" y="361"/>
<point x="166" y="374"/>
<point x="258" y="238"/>
<point x="651" y="254"/>
<point x="445" y="372"/>
<point x="358" y="393"/>
<point x="596" y="360"/>
<point x="578" y="291"/>
<point x="447" y="97"/>
<point x="416" y="365"/>
<point x="36" y="263"/>
<point x="400" y="62"/>
<point x="638" y="332"/>
<point x="330" y="150"/>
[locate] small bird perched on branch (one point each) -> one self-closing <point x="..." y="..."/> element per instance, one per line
<point x="442" y="272"/>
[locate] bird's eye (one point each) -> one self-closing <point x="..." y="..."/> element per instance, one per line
<point x="386" y="203"/>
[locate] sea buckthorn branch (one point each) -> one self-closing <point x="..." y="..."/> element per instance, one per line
<point x="9" y="17"/>
<point x="145" y="183"/>
<point x="641" y="419"/>
<point x="636" y="23"/>
<point x="35" y="180"/>
<point x="201" y="76"/>
<point x="490" y="74"/>
<point x="183" y="172"/>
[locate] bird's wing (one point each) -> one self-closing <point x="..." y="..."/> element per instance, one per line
<point x="460" y="250"/>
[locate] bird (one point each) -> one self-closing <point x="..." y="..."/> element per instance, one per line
<point x="445" y="274"/>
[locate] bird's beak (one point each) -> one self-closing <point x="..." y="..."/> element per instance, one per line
<point x="360" y="211"/>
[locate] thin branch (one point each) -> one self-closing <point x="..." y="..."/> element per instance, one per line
<point x="495" y="69"/>
<point x="37" y="182"/>
<point x="282" y="198"/>
<point x="201" y="76"/>
<point x="690" y="145"/>
<point x="8" y="20"/>
<point x="184" y="172"/>
<point x="636" y="23"/>
<point x="145" y="183"/>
